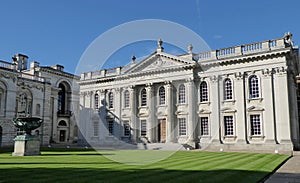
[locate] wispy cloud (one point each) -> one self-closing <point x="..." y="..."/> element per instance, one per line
<point x="218" y="36"/>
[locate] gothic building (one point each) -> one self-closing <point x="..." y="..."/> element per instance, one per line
<point x="39" y="91"/>
<point x="237" y="98"/>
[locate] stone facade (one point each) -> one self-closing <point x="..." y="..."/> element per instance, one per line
<point x="238" y="98"/>
<point x="45" y="92"/>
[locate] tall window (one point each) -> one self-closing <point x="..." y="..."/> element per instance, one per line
<point x="96" y="101"/>
<point x="110" y="100"/>
<point x="126" y="99"/>
<point x="253" y="87"/>
<point x="182" y="126"/>
<point x="181" y="94"/>
<point x="227" y="89"/>
<point x="143" y="97"/>
<point x="126" y="128"/>
<point x="110" y="127"/>
<point x="203" y="92"/>
<point x="38" y="110"/>
<point x="255" y="124"/>
<point x="229" y="125"/>
<point x="62" y="98"/>
<point x="162" y="96"/>
<point x="143" y="128"/>
<point x="204" y="130"/>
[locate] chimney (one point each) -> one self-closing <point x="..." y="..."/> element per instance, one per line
<point x="21" y="61"/>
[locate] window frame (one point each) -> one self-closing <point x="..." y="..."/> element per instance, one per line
<point x="204" y="127"/>
<point x="111" y="100"/>
<point x="255" y="128"/>
<point x="96" y="101"/>
<point x="143" y="95"/>
<point x="203" y="92"/>
<point x="162" y="95"/>
<point x="181" y="94"/>
<point x="228" y="89"/>
<point x="182" y="127"/>
<point x="143" y="128"/>
<point x="126" y="99"/>
<point x="229" y="126"/>
<point x="254" y="88"/>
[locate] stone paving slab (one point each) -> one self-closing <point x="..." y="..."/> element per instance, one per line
<point x="289" y="172"/>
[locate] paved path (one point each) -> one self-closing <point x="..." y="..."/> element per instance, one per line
<point x="288" y="172"/>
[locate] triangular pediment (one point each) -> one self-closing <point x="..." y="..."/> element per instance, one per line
<point x="160" y="61"/>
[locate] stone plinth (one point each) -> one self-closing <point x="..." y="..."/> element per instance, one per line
<point x="26" y="145"/>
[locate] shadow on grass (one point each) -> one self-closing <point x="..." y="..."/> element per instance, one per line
<point x="127" y="175"/>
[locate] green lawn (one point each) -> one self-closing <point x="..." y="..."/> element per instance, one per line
<point x="75" y="165"/>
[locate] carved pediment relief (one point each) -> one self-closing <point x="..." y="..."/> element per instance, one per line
<point x="204" y="111"/>
<point x="159" y="61"/>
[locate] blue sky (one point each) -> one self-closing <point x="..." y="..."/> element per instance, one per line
<point x="58" y="32"/>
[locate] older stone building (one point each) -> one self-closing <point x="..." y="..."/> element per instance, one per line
<point x="238" y="98"/>
<point x="45" y="92"/>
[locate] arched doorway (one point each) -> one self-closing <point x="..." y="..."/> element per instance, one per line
<point x="62" y="131"/>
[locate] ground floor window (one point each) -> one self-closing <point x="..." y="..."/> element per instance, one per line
<point x="229" y="125"/>
<point x="255" y="124"/>
<point x="126" y="128"/>
<point x="204" y="130"/>
<point x="182" y="126"/>
<point x="96" y="128"/>
<point x="143" y="128"/>
<point x="111" y="127"/>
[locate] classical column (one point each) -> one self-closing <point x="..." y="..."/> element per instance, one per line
<point x="133" y="118"/>
<point x="170" y="113"/>
<point x="240" y="99"/>
<point x="151" y="111"/>
<point x="191" y="111"/>
<point x="118" y="108"/>
<point x="214" y="99"/>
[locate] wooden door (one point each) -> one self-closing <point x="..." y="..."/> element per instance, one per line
<point x="163" y="133"/>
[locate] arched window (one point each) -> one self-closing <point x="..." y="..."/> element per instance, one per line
<point x="253" y="87"/>
<point x="126" y="99"/>
<point x="2" y="97"/>
<point x="143" y="97"/>
<point x="62" y="123"/>
<point x="62" y="98"/>
<point x="162" y="96"/>
<point x="227" y="89"/>
<point x="110" y="100"/>
<point x="96" y="101"/>
<point x="24" y="103"/>
<point x="181" y="94"/>
<point x="203" y="92"/>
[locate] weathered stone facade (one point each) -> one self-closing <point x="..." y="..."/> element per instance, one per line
<point x="45" y="92"/>
<point x="238" y="98"/>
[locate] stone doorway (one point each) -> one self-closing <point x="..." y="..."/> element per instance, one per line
<point x="162" y="131"/>
<point x="62" y="135"/>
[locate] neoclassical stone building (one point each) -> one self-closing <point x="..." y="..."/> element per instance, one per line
<point x="238" y="98"/>
<point x="40" y="91"/>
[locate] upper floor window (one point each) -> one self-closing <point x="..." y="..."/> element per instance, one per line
<point x="110" y="100"/>
<point x="126" y="99"/>
<point x="253" y="87"/>
<point x="227" y="89"/>
<point x="181" y="94"/>
<point x="203" y="92"/>
<point x="96" y="101"/>
<point x="162" y="96"/>
<point x="143" y="97"/>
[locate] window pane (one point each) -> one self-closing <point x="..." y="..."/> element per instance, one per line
<point x="229" y="126"/>
<point x="110" y="127"/>
<point x="181" y="94"/>
<point x="143" y="97"/>
<point x="182" y="126"/>
<point x="253" y="87"/>
<point x="204" y="126"/>
<point x="255" y="125"/>
<point x="110" y="100"/>
<point x="126" y="128"/>
<point x="96" y="101"/>
<point x="126" y="99"/>
<point x="143" y="127"/>
<point x="162" y="96"/>
<point x="227" y="89"/>
<point x="203" y="92"/>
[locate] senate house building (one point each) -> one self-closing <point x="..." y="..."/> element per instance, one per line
<point x="238" y="98"/>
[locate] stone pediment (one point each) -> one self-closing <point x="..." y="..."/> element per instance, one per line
<point x="160" y="61"/>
